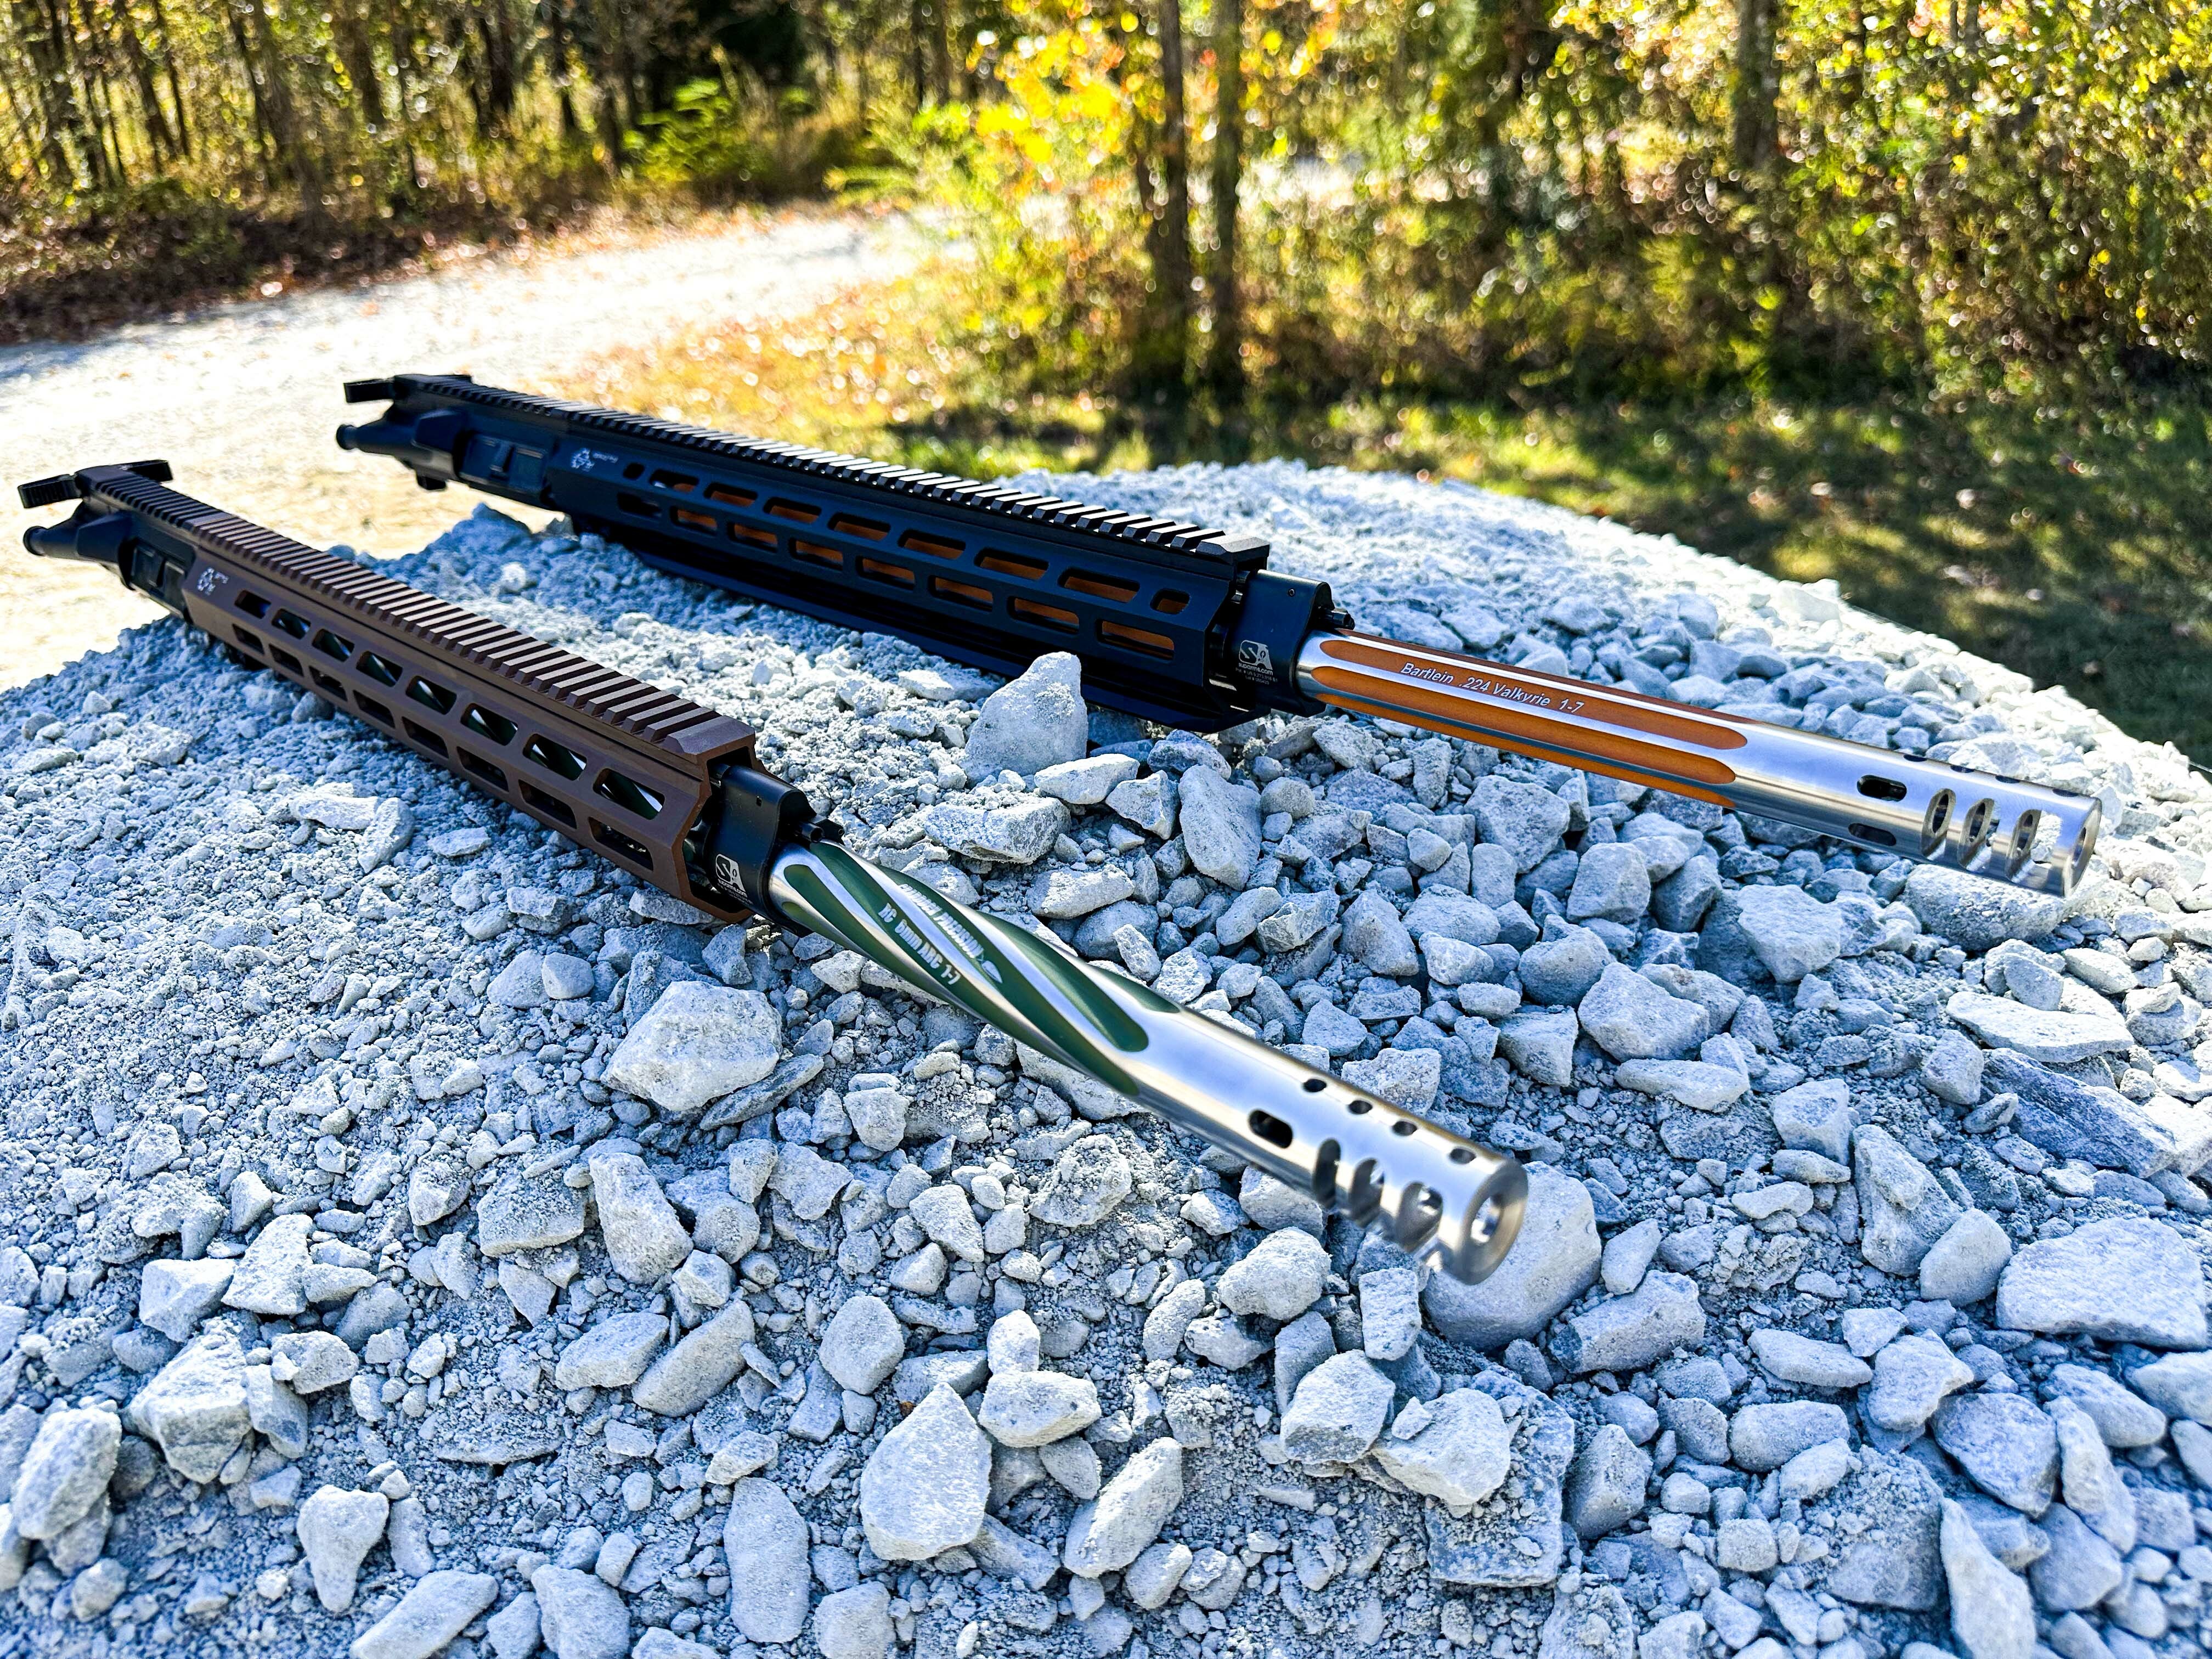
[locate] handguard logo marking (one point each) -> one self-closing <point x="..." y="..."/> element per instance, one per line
<point x="1254" y="661"/>
<point x="210" y="578"/>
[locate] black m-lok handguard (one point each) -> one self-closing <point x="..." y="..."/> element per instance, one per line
<point x="1174" y="622"/>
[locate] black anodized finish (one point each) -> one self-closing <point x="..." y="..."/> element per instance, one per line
<point x="981" y="573"/>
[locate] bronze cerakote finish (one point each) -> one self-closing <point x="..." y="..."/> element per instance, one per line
<point x="2021" y="833"/>
<point x="620" y="766"/>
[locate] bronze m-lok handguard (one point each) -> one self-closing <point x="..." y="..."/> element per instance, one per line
<point x="668" y="790"/>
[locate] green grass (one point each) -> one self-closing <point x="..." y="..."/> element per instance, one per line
<point x="2070" y="539"/>
<point x="2073" y="544"/>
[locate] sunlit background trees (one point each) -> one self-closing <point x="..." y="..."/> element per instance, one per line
<point x="1198" y="193"/>
<point x="1917" y="293"/>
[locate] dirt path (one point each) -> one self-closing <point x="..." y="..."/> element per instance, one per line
<point x="242" y="397"/>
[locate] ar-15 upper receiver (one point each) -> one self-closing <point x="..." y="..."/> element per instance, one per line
<point x="669" y="791"/>
<point x="1173" y="621"/>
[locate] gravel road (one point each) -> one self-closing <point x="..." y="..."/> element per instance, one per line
<point x="242" y="397"/>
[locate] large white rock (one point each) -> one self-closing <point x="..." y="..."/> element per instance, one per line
<point x="697" y="1043"/>
<point x="1280" y="1278"/>
<point x="65" y="1472"/>
<point x="945" y="1215"/>
<point x="765" y="1539"/>
<point x="1524" y="820"/>
<point x="2180" y="1385"/>
<point x="1032" y="722"/>
<point x="613" y="1353"/>
<point x="308" y="1362"/>
<point x="1457" y="1449"/>
<point x="1338" y="1409"/>
<point x="337" y="1529"/>
<point x="1912" y="1377"/>
<point x="2126" y="1280"/>
<point x="2052" y="1036"/>
<point x="1792" y="932"/>
<point x="990" y="826"/>
<point x="1089" y="1180"/>
<point x="1975" y="913"/>
<point x="579" y="1617"/>
<point x="1815" y="1117"/>
<point x="194" y="1407"/>
<point x="1628" y="1332"/>
<point x="700" y="1366"/>
<point x="2092" y="1487"/>
<point x="645" y="1240"/>
<point x="1992" y="1611"/>
<point x="1555" y="1260"/>
<point x="925" y="1487"/>
<point x="1220" y="823"/>
<point x="528" y="1213"/>
<point x="1902" y="1210"/>
<point x="1085" y="782"/>
<point x="1796" y="1358"/>
<point x="855" y="1623"/>
<point x="2126" y="1419"/>
<point x="436" y="1608"/>
<point x="1963" y="1267"/>
<point x="1631" y="1018"/>
<point x="863" y="1343"/>
<point x="271" y="1276"/>
<point x="1112" y="1530"/>
<point x="173" y="1295"/>
<point x="1036" y="1407"/>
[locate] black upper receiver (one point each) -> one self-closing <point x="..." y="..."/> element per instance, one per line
<point x="1174" y="622"/>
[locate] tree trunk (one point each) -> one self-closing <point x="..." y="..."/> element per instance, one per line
<point x="401" y="39"/>
<point x="1163" y="346"/>
<point x="103" y="144"/>
<point x="349" y="33"/>
<point x="863" y="55"/>
<point x="26" y="143"/>
<point x="183" y="125"/>
<point x="1224" y="368"/>
<point x="66" y="137"/>
<point x="608" y="114"/>
<point x="36" y="104"/>
<point x="556" y="53"/>
<point x="263" y="138"/>
<point x="502" y="62"/>
<point x="159" y="138"/>
<point x="621" y="54"/>
<point x="494" y="92"/>
<point x="282" y="114"/>
<point x="917" y="19"/>
<point x="1753" y="94"/>
<point x="940" y="48"/>
<point x="99" y="99"/>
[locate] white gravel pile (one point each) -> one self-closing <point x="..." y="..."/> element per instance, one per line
<point x="416" y="1237"/>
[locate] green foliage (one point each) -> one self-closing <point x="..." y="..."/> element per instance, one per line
<point x="1035" y="185"/>
<point x="701" y="138"/>
<point x="281" y="129"/>
<point x="1549" y="201"/>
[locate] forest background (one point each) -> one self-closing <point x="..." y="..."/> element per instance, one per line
<point x="1914" y="294"/>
